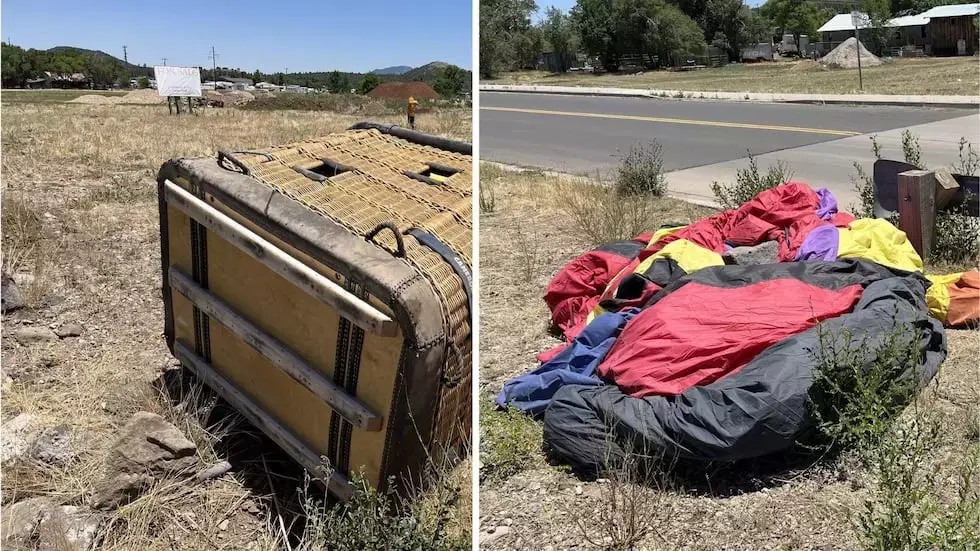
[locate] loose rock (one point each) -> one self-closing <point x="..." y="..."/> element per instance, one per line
<point x="10" y="296"/>
<point x="54" y="446"/>
<point x="34" y="335"/>
<point x="19" y="520"/>
<point x="68" y="528"/>
<point x="149" y="447"/>
<point x="497" y="532"/>
<point x="18" y="435"/>
<point x="69" y="330"/>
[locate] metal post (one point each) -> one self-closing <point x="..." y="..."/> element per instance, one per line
<point x="857" y="46"/>
<point x="856" y="19"/>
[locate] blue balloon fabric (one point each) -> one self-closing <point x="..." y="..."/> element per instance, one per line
<point x="575" y="365"/>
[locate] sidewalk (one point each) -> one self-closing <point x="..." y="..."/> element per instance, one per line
<point x="845" y="99"/>
<point x="830" y="164"/>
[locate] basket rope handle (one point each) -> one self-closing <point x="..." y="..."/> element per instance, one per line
<point x="369" y="236"/>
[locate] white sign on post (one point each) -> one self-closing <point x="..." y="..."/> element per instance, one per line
<point x="178" y="81"/>
<point x="857" y="19"/>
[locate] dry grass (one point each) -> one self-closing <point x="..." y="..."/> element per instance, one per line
<point x="80" y="226"/>
<point x="929" y="76"/>
<point x="807" y="506"/>
<point x="52" y="96"/>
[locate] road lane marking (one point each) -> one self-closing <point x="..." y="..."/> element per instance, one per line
<point x="665" y="120"/>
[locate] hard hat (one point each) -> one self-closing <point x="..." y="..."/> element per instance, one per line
<point x="411" y="100"/>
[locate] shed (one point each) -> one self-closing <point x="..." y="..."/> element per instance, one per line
<point x="952" y="29"/>
<point x="909" y="30"/>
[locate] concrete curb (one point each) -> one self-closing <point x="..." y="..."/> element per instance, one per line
<point x="969" y="102"/>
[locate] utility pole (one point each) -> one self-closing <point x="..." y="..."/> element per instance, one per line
<point x="164" y="61"/>
<point x="125" y="56"/>
<point x="214" y="65"/>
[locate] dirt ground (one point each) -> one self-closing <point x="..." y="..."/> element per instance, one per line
<point x="927" y="76"/>
<point x="543" y="506"/>
<point x="81" y="237"/>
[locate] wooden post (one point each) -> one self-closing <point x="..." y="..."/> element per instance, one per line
<point x="170" y="104"/>
<point x="190" y="106"/>
<point x="917" y="209"/>
<point x="177" y="102"/>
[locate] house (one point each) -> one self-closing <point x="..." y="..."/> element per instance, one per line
<point x="952" y="29"/>
<point x="233" y="83"/>
<point x="266" y="86"/>
<point x="909" y="30"/>
<point x="943" y="30"/>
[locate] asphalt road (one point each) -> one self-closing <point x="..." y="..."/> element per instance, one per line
<point x="587" y="135"/>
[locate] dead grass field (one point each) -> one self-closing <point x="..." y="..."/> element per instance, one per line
<point x="80" y="234"/>
<point x="536" y="505"/>
<point x="52" y="96"/>
<point x="935" y="76"/>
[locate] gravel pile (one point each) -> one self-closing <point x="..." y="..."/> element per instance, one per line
<point x="95" y="99"/>
<point x="845" y="56"/>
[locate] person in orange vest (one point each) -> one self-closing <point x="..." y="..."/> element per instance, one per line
<point x="412" y="104"/>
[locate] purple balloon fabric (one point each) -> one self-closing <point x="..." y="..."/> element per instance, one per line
<point x="820" y="244"/>
<point x="827" y="207"/>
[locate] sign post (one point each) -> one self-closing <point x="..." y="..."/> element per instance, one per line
<point x="856" y="19"/>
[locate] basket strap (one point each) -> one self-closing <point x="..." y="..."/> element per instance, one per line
<point x="451" y="258"/>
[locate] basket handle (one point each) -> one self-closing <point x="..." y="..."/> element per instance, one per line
<point x="369" y="236"/>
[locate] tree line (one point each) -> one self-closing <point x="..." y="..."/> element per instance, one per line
<point x="20" y="65"/>
<point x="667" y="31"/>
<point x="104" y="71"/>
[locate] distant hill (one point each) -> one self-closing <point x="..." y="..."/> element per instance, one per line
<point x="395" y="70"/>
<point x="134" y="70"/>
<point x="425" y="73"/>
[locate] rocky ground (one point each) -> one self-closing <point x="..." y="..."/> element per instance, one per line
<point x="105" y="443"/>
<point x="798" y="502"/>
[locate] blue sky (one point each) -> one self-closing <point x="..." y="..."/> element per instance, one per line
<point x="301" y="35"/>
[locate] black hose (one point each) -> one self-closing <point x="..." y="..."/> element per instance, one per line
<point x="422" y="178"/>
<point x="369" y="236"/>
<point x="417" y="137"/>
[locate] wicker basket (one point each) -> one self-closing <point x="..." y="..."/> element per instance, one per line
<point x="323" y="289"/>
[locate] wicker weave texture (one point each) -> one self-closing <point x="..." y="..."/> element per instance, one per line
<point x="375" y="189"/>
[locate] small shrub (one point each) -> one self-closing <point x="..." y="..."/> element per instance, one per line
<point x="21" y="231"/>
<point x="488" y="195"/>
<point x="957" y="236"/>
<point x="370" y="520"/>
<point x="632" y="508"/>
<point x="749" y="182"/>
<point x="528" y="246"/>
<point x="858" y="402"/>
<point x="641" y="171"/>
<point x="510" y="442"/>
<point x="859" y="386"/>
<point x="911" y="149"/>
<point x="969" y="161"/>
<point x="864" y="185"/>
<point x="598" y="214"/>
<point x="906" y="509"/>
